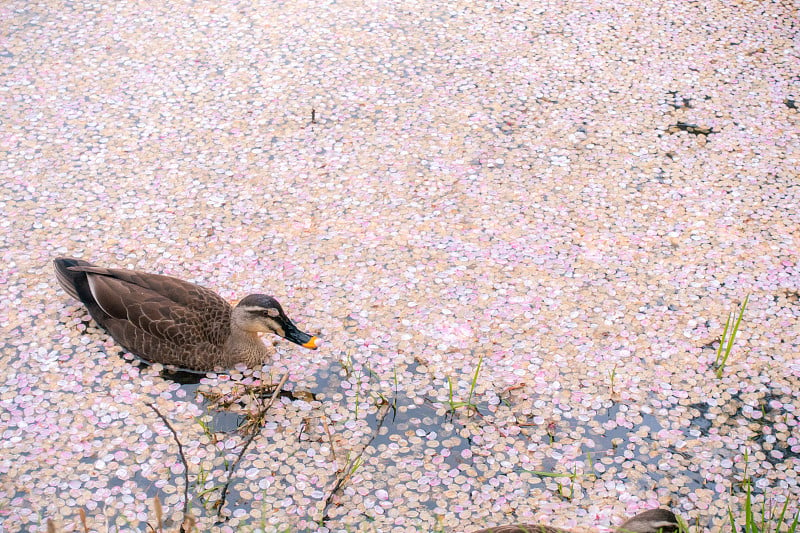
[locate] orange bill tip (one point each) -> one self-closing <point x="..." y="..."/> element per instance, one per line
<point x="311" y="344"/>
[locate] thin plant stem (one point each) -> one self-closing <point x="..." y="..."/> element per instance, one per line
<point x="261" y="416"/>
<point x="183" y="459"/>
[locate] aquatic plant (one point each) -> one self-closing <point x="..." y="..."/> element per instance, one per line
<point x="347" y="362"/>
<point x="726" y="340"/>
<point x="454" y="404"/>
<point x="556" y="475"/>
<point x="612" y="375"/>
<point x="766" y="520"/>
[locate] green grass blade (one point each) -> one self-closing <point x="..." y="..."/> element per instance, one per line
<point x="749" y="522"/>
<point x="741" y="312"/>
<point x="782" y="515"/>
<point x="722" y="340"/>
<point x="549" y="474"/>
<point x="474" y="379"/>
<point x="795" y="522"/>
<point x="732" y="520"/>
<point x="450" y="400"/>
<point x="732" y="338"/>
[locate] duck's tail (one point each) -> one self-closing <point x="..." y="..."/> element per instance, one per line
<point x="73" y="282"/>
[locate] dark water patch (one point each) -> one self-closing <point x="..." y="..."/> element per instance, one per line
<point x="396" y="417"/>
<point x="692" y="129"/>
<point x="179" y="376"/>
<point x="679" y="102"/>
<point x="618" y="430"/>
<point x="702" y="421"/>
<point x="769" y="422"/>
<point x="775" y="443"/>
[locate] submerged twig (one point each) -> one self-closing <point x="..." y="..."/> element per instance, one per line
<point x="183" y="459"/>
<point x="82" y="515"/>
<point x="159" y="513"/>
<point x="261" y="415"/>
<point x="330" y="437"/>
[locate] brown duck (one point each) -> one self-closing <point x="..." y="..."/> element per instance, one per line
<point x="170" y="321"/>
<point x="652" y="521"/>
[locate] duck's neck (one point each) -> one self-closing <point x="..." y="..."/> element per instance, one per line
<point x="245" y="347"/>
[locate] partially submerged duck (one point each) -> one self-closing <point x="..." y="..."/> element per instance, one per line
<point x="652" y="521"/>
<point x="173" y="322"/>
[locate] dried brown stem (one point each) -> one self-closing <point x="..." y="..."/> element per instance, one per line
<point x="183" y="459"/>
<point x="330" y="437"/>
<point x="82" y="514"/>
<point x="348" y="470"/>
<point x="261" y="416"/>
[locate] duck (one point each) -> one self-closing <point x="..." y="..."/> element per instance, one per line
<point x="166" y="320"/>
<point x="652" y="521"/>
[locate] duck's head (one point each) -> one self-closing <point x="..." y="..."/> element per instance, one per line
<point x="652" y="521"/>
<point x="261" y="313"/>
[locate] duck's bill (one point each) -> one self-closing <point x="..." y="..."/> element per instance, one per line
<point x="311" y="344"/>
<point x="303" y="339"/>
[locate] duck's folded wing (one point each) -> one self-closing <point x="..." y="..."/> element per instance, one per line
<point x="167" y="350"/>
<point x="160" y="305"/>
<point x="177" y="290"/>
<point x="171" y="310"/>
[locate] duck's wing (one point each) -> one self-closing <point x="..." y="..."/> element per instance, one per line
<point x="180" y="292"/>
<point x="167" y="308"/>
<point x="172" y="345"/>
<point x="160" y="318"/>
